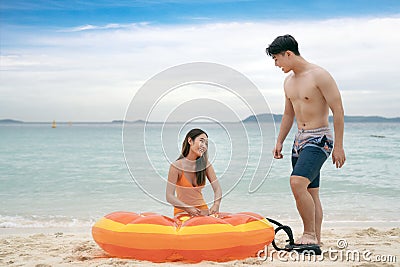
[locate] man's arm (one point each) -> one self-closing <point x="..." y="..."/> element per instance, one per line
<point x="330" y="91"/>
<point x="284" y="129"/>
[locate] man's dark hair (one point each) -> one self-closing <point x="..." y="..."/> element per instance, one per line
<point x="282" y="44"/>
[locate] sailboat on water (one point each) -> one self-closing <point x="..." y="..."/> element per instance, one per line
<point x="54" y="125"/>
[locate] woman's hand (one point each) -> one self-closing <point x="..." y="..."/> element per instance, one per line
<point x="193" y="211"/>
<point x="214" y="209"/>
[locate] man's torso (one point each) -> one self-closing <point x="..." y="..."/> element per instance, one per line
<point x="310" y="107"/>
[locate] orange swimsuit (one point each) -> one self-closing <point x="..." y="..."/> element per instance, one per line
<point x="189" y="194"/>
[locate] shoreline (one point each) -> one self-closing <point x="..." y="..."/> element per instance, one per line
<point x="75" y="247"/>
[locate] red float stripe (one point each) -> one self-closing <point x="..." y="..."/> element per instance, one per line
<point x="168" y="255"/>
<point x="143" y="218"/>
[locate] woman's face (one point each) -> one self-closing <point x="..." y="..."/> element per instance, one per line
<point x="199" y="145"/>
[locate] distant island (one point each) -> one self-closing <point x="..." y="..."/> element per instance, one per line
<point x="10" y="121"/>
<point x="265" y="117"/>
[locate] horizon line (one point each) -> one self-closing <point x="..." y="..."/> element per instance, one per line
<point x="174" y="122"/>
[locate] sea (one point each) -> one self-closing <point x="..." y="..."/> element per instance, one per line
<point x="72" y="175"/>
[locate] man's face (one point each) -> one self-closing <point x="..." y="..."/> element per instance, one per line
<point x="281" y="61"/>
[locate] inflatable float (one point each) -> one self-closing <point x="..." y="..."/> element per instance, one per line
<point x="158" y="238"/>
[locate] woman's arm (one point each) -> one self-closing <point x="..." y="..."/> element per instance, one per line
<point x="216" y="188"/>
<point x="173" y="176"/>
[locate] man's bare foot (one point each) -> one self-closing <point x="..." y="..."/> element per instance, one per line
<point x="307" y="238"/>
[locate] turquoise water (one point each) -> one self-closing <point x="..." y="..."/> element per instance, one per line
<point x="73" y="175"/>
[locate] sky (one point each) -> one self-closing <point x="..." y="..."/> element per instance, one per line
<point x="85" y="60"/>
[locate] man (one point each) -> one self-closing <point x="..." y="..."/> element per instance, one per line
<point x="309" y="93"/>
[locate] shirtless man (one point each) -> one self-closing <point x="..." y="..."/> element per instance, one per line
<point x="309" y="93"/>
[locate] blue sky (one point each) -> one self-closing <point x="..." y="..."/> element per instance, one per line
<point x="84" y="60"/>
<point x="65" y="13"/>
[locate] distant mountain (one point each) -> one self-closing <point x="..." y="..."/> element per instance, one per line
<point x="267" y="117"/>
<point x="10" y="121"/>
<point x="368" y="119"/>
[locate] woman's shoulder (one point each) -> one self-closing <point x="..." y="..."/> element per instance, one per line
<point x="177" y="164"/>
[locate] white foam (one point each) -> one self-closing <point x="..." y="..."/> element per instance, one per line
<point x="36" y="221"/>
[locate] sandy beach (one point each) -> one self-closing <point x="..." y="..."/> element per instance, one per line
<point x="364" y="246"/>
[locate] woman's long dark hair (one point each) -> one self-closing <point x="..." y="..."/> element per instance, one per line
<point x="201" y="162"/>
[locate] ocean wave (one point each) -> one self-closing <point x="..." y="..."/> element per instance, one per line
<point x="48" y="221"/>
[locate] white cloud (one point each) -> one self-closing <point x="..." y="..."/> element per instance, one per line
<point x="91" y="72"/>
<point x="109" y="26"/>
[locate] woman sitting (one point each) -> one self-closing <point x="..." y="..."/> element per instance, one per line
<point x="187" y="176"/>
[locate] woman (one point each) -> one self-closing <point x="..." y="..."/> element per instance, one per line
<point x="187" y="176"/>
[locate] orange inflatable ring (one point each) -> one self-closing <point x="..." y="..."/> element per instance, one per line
<point x="158" y="238"/>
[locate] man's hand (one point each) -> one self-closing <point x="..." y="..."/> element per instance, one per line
<point x="338" y="157"/>
<point x="277" y="151"/>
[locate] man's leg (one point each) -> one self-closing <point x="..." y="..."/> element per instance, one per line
<point x="306" y="207"/>
<point x="314" y="192"/>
